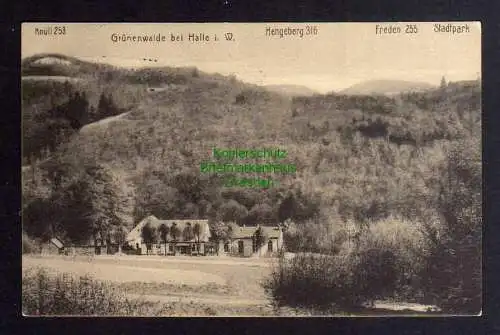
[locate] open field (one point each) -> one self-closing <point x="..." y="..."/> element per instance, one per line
<point x="187" y="286"/>
<point x="230" y="286"/>
<point x="125" y="272"/>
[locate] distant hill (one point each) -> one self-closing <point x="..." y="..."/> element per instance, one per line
<point x="57" y="65"/>
<point x="113" y="145"/>
<point x="358" y="156"/>
<point x="386" y="87"/>
<point x="292" y="90"/>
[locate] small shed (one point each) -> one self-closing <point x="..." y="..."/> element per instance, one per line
<point x="58" y="243"/>
<point x="53" y="246"/>
<point x="243" y="243"/>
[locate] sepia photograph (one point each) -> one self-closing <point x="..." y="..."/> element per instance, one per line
<point x="251" y="169"/>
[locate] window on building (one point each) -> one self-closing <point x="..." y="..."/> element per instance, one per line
<point x="170" y="247"/>
<point x="226" y="247"/>
<point x="270" y="246"/>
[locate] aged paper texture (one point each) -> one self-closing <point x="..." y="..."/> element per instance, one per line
<point x="251" y="169"/>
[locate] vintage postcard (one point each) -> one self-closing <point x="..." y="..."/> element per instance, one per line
<point x="251" y="169"/>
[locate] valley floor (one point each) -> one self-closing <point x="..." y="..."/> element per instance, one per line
<point x="208" y="281"/>
<point x="221" y="286"/>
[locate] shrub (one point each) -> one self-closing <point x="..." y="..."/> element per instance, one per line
<point x="302" y="237"/>
<point x="29" y="245"/>
<point x="327" y="283"/>
<point x="63" y="294"/>
<point x="384" y="263"/>
<point x="453" y="273"/>
<point x="404" y="244"/>
<point x="375" y="274"/>
<point x="322" y="235"/>
<point x="295" y="283"/>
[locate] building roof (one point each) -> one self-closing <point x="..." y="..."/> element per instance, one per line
<point x="248" y="232"/>
<point x="180" y="223"/>
<point x="55" y="241"/>
<point x="272" y="232"/>
<point x="243" y="232"/>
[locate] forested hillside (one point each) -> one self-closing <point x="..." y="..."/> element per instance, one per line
<point x="387" y="87"/>
<point x="377" y="175"/>
<point x="358" y="158"/>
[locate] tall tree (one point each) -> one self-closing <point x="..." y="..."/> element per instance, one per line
<point x="189" y="185"/>
<point x="197" y="231"/>
<point x="164" y="232"/>
<point x="443" y="83"/>
<point x="187" y="233"/>
<point x="77" y="110"/>
<point x="149" y="236"/>
<point x="286" y="208"/>
<point x="220" y="231"/>
<point x="120" y="237"/>
<point x="40" y="219"/>
<point x="260" y="237"/>
<point x="77" y="213"/>
<point x="102" y="106"/>
<point x="90" y="199"/>
<point x="174" y="232"/>
<point x="108" y="198"/>
<point x="106" y="106"/>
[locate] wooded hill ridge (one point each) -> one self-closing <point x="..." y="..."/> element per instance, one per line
<point x="358" y="158"/>
<point x="386" y="86"/>
<point x="292" y="90"/>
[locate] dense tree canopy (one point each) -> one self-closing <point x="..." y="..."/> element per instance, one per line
<point x="360" y="159"/>
<point x="187" y="232"/>
<point x="454" y="275"/>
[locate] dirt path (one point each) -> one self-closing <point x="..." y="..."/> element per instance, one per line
<point x="102" y="123"/>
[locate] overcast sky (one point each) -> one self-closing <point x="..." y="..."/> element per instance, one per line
<point x="340" y="55"/>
